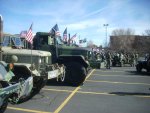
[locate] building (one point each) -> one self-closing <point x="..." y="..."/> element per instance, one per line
<point x="130" y="43"/>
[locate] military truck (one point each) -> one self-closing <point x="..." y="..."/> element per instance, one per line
<point x="143" y="64"/>
<point x="40" y="61"/>
<point x="76" y="64"/>
<point x="16" y="83"/>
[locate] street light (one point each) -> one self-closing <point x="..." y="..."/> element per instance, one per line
<point x="106" y="25"/>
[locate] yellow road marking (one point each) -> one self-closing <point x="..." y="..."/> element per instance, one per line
<point x="96" y="93"/>
<point x="142" y="96"/>
<point x="110" y="70"/>
<point x="69" y="91"/>
<point x="90" y="74"/>
<point x="120" y="75"/>
<point x="27" y="110"/>
<point x="66" y="101"/>
<point x="70" y="96"/>
<point x="118" y="82"/>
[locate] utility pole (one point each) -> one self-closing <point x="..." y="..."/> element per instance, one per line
<point x="106" y="25"/>
<point x="1" y="36"/>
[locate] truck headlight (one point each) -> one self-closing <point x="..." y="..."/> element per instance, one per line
<point x="46" y="60"/>
<point x="40" y="61"/>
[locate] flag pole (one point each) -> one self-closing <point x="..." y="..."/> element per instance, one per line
<point x="31" y="54"/>
<point x="69" y="40"/>
<point x="29" y="38"/>
<point x="56" y="44"/>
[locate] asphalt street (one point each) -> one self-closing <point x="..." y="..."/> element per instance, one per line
<point x="118" y="90"/>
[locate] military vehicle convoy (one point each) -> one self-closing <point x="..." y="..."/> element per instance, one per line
<point x="75" y="63"/>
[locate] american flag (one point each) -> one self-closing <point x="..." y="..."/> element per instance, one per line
<point x="23" y="34"/>
<point x="29" y="36"/>
<point x="74" y="36"/>
<point x="55" y="30"/>
<point x="65" y="35"/>
<point x="70" y="40"/>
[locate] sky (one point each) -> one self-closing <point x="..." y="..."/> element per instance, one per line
<point x="84" y="17"/>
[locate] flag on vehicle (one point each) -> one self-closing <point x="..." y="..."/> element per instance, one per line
<point x="29" y="36"/>
<point x="65" y="35"/>
<point x="23" y="34"/>
<point x="73" y="37"/>
<point x="55" y="30"/>
<point x="70" y="40"/>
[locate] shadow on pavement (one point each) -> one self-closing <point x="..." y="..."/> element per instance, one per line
<point x="130" y="93"/>
<point x="143" y="73"/>
<point x="54" y="82"/>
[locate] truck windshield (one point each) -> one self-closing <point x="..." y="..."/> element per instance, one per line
<point x="12" y="41"/>
<point x="6" y="41"/>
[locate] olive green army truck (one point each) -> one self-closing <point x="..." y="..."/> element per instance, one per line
<point x="75" y="63"/>
<point x="40" y="62"/>
<point x="89" y="55"/>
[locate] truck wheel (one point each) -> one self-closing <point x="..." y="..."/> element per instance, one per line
<point x="39" y="83"/>
<point x="5" y="103"/>
<point x="147" y="70"/>
<point x="113" y="64"/>
<point x="138" y="68"/>
<point x="75" y="73"/>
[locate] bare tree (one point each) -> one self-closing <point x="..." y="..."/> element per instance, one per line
<point x="90" y="44"/>
<point x="147" y="32"/>
<point x="120" y="32"/>
<point x="122" y="39"/>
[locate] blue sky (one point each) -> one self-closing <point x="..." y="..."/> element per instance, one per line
<point x="84" y="17"/>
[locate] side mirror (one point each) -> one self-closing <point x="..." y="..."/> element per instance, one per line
<point x="50" y="40"/>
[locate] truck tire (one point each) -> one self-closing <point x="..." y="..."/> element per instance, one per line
<point x="114" y="64"/>
<point x="138" y="68"/>
<point x="75" y="73"/>
<point x="39" y="83"/>
<point x="5" y="103"/>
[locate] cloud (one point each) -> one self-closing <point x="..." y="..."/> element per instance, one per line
<point x="89" y="23"/>
<point x="94" y="12"/>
